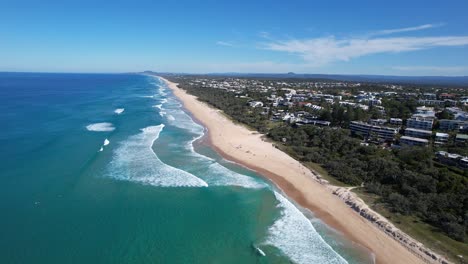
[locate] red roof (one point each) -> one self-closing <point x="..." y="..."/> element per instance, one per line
<point x="447" y="95"/>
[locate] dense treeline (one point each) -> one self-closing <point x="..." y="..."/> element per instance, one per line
<point x="399" y="108"/>
<point x="407" y="179"/>
<point x="341" y="116"/>
<point x="235" y="107"/>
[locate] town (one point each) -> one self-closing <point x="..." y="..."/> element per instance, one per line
<point x="388" y="115"/>
<point x="402" y="148"/>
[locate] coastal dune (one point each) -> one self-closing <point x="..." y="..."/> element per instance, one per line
<point x="237" y="143"/>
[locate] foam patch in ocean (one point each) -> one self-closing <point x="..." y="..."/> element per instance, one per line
<point x="119" y="110"/>
<point x="101" y="127"/>
<point x="296" y="237"/>
<point x="106" y="142"/>
<point x="135" y="160"/>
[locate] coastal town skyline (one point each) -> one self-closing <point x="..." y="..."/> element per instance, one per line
<point x="404" y="38"/>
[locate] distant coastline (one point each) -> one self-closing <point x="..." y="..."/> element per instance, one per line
<point x="246" y="147"/>
<point x="438" y="81"/>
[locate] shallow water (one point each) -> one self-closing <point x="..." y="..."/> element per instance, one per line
<point x="106" y="169"/>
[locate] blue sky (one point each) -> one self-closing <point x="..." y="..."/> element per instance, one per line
<point x="347" y="37"/>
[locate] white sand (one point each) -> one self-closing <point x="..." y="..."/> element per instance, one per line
<point x="237" y="143"/>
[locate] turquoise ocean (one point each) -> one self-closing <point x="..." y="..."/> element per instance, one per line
<point x="108" y="168"/>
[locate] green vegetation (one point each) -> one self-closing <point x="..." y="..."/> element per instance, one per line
<point x="406" y="179"/>
<point x="236" y="108"/>
<point x="428" y="199"/>
<point x="314" y="167"/>
<point x="420" y="230"/>
<point x="399" y="107"/>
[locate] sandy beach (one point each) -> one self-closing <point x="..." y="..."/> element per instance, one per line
<point x="237" y="143"/>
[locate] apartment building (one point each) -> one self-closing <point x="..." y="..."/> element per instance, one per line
<point x="366" y="130"/>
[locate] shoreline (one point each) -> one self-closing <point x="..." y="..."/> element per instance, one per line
<point x="336" y="206"/>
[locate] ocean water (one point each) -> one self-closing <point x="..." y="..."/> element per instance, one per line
<point x="100" y="168"/>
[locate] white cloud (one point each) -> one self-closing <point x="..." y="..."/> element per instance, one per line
<point x="224" y="43"/>
<point x="320" y="51"/>
<point x="407" y="29"/>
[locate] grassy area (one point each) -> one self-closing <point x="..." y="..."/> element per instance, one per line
<point x="320" y="170"/>
<point x="421" y="231"/>
<point x="314" y="167"/>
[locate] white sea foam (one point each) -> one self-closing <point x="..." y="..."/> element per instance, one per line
<point x="210" y="170"/>
<point x="296" y="237"/>
<point x="101" y="127"/>
<point x="135" y="160"/>
<point x="292" y="232"/>
<point x="206" y="168"/>
<point x="222" y="176"/>
<point x="106" y="142"/>
<point x="119" y="110"/>
<point x="182" y="120"/>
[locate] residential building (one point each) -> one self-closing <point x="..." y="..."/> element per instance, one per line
<point x="396" y="121"/>
<point x="412" y="141"/>
<point x="461" y="138"/>
<point x="366" y="130"/>
<point x="313" y="122"/>
<point x="430" y="96"/>
<point x="446" y="96"/>
<point x="378" y="122"/>
<point x="418" y="122"/>
<point x="431" y="102"/>
<point x="424" y="111"/>
<point x="419" y="133"/>
<point x="441" y="138"/>
<point x="449" y="125"/>
<point x="458" y="113"/>
<point x="452" y="159"/>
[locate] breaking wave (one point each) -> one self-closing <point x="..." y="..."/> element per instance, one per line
<point x="205" y="167"/>
<point x="135" y="160"/>
<point x="296" y="237"/>
<point x="292" y="232"/>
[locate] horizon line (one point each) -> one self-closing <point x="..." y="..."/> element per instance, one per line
<point x="240" y="73"/>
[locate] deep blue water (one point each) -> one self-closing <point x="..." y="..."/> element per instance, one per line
<point x="100" y="168"/>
